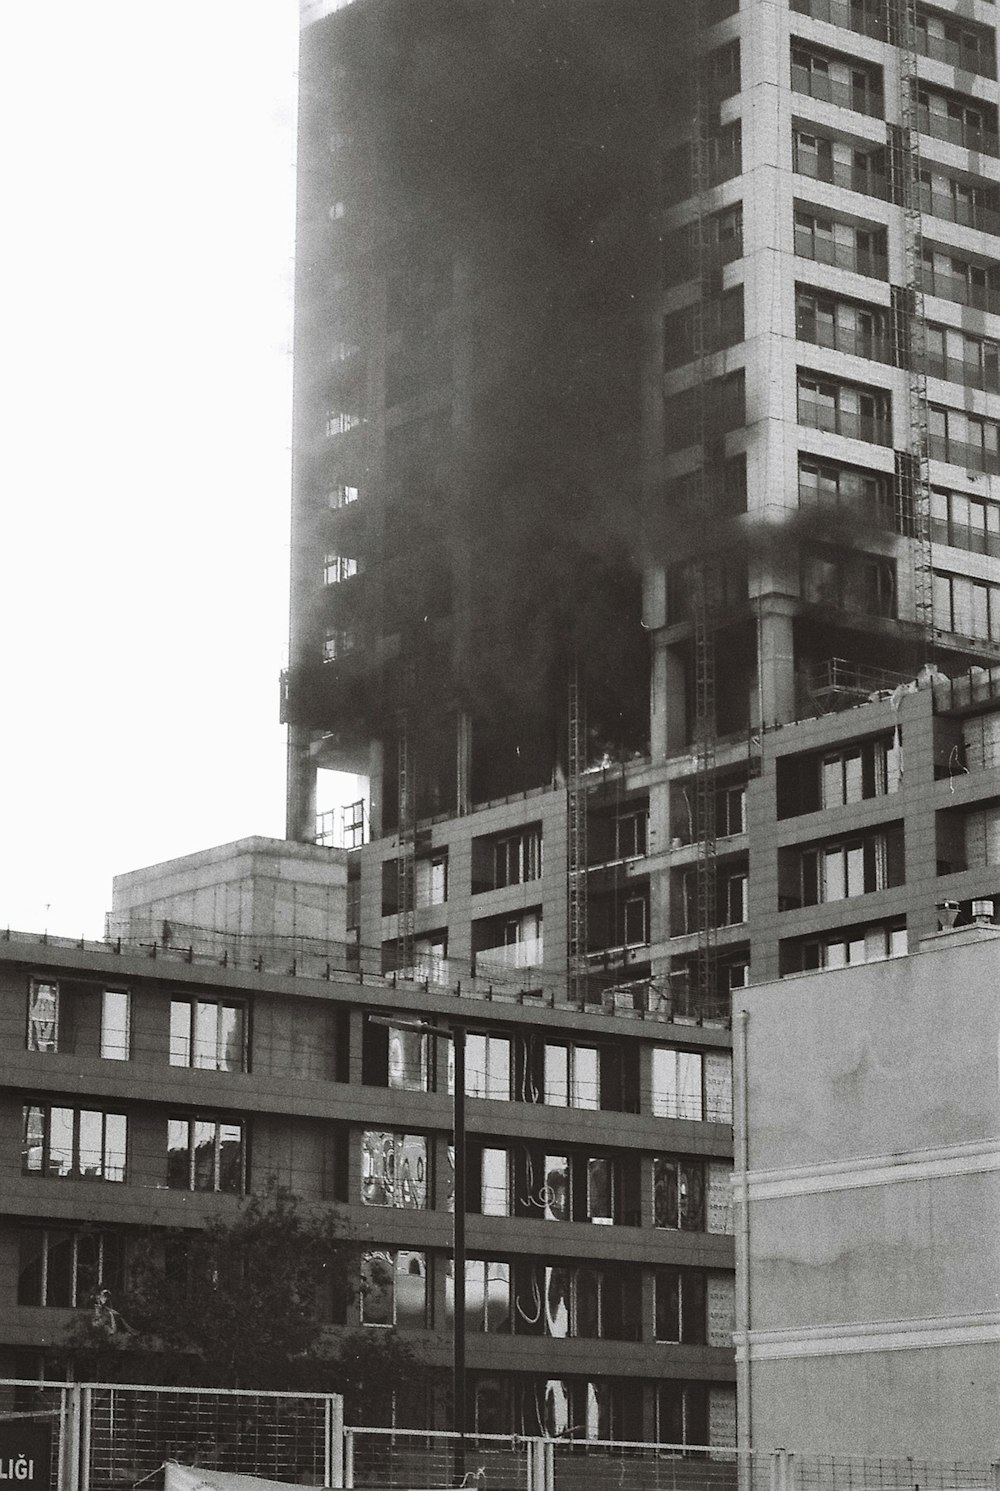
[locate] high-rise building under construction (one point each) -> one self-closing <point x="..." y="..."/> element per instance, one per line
<point x="646" y="407"/>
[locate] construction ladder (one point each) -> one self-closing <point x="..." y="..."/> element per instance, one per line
<point x="703" y="501"/>
<point x="912" y="465"/>
<point x="405" y="862"/>
<point x="576" y="837"/>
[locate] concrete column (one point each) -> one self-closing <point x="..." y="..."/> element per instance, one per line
<point x="668" y="724"/>
<point x="463" y="763"/>
<point x="376" y="760"/>
<point x="300" y="801"/>
<point x="776" y="664"/>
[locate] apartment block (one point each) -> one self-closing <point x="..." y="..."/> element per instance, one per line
<point x="149" y="1086"/>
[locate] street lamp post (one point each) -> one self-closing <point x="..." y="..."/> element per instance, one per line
<point x="456" y="1034"/>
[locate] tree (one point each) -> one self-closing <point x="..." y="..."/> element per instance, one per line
<point x="243" y="1302"/>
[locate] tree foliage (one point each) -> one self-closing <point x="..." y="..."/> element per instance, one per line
<point x="243" y="1302"/>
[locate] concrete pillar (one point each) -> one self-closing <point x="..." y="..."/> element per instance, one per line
<point x="463" y="763"/>
<point x="668" y="726"/>
<point x="300" y="800"/>
<point x="776" y="665"/>
<point x="376" y="760"/>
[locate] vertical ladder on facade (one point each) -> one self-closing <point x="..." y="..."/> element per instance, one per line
<point x="405" y="866"/>
<point x="913" y="473"/>
<point x="576" y="836"/>
<point x="703" y="496"/>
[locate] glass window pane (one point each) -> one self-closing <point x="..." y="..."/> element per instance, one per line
<point x="115" y="1139"/>
<point x="557" y="1075"/>
<point x="498" y="1086"/>
<point x="411" y="1290"/>
<point x="586" y="1077"/>
<point x="115" y="1025"/>
<point x="689" y="1084"/>
<point x="43" y="1016"/>
<point x="664" y="1095"/>
<point x="180" y="1033"/>
<point x="408" y="1061"/>
<point x="378" y="1164"/>
<point x="668" y="1304"/>
<point x="497" y="1297"/>
<point x="475" y="1067"/>
<point x="205" y="1133"/>
<point x="33" y="1141"/>
<point x="231" y="1038"/>
<point x="178" y="1153"/>
<point x="59" y="1270"/>
<point x="206" y="1035"/>
<point x="600" y="1202"/>
<point x="475" y="1292"/>
<point x="231" y="1158"/>
<point x="556" y="1189"/>
<point x="588" y="1303"/>
<point x="31" y="1243"/>
<point x="60" y="1156"/>
<point x="692" y="1196"/>
<point x="411" y="1173"/>
<point x="557" y="1302"/>
<point x="496" y="1183"/>
<point x="377" y="1289"/>
<point x="88" y="1267"/>
<point x="665" y="1194"/>
<point x="557" y="1415"/>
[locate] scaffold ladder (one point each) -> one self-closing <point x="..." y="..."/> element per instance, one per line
<point x="912" y="465"/>
<point x="405" y="865"/>
<point x="576" y="835"/>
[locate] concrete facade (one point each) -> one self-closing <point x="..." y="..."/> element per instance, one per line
<point x="868" y="1195"/>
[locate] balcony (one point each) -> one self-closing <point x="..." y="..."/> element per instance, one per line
<point x="867" y="19"/>
<point x="965" y="536"/>
<point x="956" y="288"/>
<point x="969" y="374"/>
<point x="526" y="954"/>
<point x="864" y="179"/>
<point x="965" y="212"/>
<point x="959" y="453"/>
<point x="957" y="131"/>
<point x="868" y="427"/>
<point x="843" y="255"/>
<point x="861" y="99"/>
<point x="969" y="54"/>
<point x="859" y="343"/>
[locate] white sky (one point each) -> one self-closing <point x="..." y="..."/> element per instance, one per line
<point x="146" y="278"/>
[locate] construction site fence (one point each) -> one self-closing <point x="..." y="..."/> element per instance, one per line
<point x="108" y="1436"/>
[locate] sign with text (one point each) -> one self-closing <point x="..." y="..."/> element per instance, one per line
<point x="25" y="1454"/>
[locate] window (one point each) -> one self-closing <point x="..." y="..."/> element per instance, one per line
<point x="958" y="42"/>
<point x="205" y="1154"/>
<point x="827" y="484"/>
<point x="338" y="422"/>
<point x="953" y="117"/>
<point x="495" y="1182"/>
<point x="865" y="583"/>
<point x="487" y="1066"/>
<point x="963" y="280"/>
<point x="394" y="1170"/>
<point x="828" y="241"/>
<point x="572" y="1075"/>
<point x="64" y="1269"/>
<point x="342" y="496"/>
<point x="865" y="769"/>
<point x="965" y="522"/>
<point x="692" y="1195"/>
<point x="692" y="1084"/>
<point x="338" y="641"/>
<point x="115" y="1024"/>
<point x="847" y="948"/>
<point x="395" y="1057"/>
<point x="963" y="439"/>
<point x="518" y="857"/>
<point x="837" y="80"/>
<point x="825" y="158"/>
<point x="960" y="357"/>
<point x="338" y="567"/>
<point x="836" y="872"/>
<point x="844" y="325"/>
<point x="680" y="1306"/>
<point x="732" y="906"/>
<point x="430" y="881"/>
<point x="969" y="607"/>
<point x="682" y="1413"/>
<point x="394" y="1289"/>
<point x="487" y="1296"/>
<point x="75" y="1143"/>
<point x="707" y="327"/>
<point x="844" y="409"/>
<point x="43" y="1015"/>
<point x="209" y="1034"/>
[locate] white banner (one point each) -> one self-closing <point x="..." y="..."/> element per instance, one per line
<point x="197" y="1478"/>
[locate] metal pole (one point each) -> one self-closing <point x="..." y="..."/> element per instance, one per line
<point x="458" y="1388"/>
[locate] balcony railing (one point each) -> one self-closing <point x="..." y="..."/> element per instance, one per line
<point x="875" y="347"/>
<point x="967" y="214"/>
<point x="526" y="954"/>
<point x="959" y="453"/>
<point x="865" y="19"/>
<point x="962" y="291"/>
<point x="867" y="427"/>
<point x="861" y="99"/>
<point x="843" y="255"/>
<point x="965" y="536"/>
<point x="957" y="131"/>
<point x="969" y="374"/>
<point x="867" y="180"/>
<point x="965" y="54"/>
